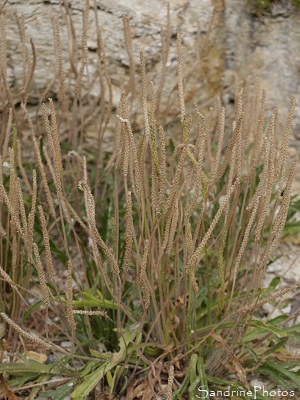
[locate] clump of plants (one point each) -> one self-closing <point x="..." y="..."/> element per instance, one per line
<point x="146" y="260"/>
<point x="265" y="5"/>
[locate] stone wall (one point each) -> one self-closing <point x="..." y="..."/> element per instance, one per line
<point x="147" y="19"/>
<point x="267" y="42"/>
<point x="224" y="41"/>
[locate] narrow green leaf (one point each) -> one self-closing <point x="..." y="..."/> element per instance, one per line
<point x="201" y="371"/>
<point x="277" y="331"/>
<point x="60" y="393"/>
<point x="275" y="347"/>
<point x="251" y="352"/>
<point x="92" y="301"/>
<point x="274" y="376"/>
<point x="35" y="306"/>
<point x="29" y="366"/>
<point x="91" y="380"/>
<point x="260" y="331"/>
<point x="272" y="286"/>
<point x="116" y="373"/>
<point x="21" y="380"/>
<point x="289" y="375"/>
<point x="110" y="380"/>
<point x="35" y="390"/>
<point x="193" y="376"/>
<point x="178" y="395"/>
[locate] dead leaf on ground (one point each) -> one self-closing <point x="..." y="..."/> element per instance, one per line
<point x="142" y="391"/>
<point x="7" y="393"/>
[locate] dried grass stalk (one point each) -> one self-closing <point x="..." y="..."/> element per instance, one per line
<point x="170" y="383"/>
<point x="31" y="216"/>
<point x="91" y="215"/>
<point x="21" y="167"/>
<point x="40" y="165"/>
<point x="7" y="134"/>
<point x="144" y="103"/>
<point x="143" y="280"/>
<point x="49" y="264"/>
<point x="41" y="275"/>
<point x="219" y="147"/>
<point x="7" y="278"/>
<point x="128" y="45"/>
<point x="180" y="77"/>
<point x="283" y="154"/>
<point x="194" y="259"/>
<point x="128" y="234"/>
<point x="69" y="297"/>
<point x="30" y="336"/>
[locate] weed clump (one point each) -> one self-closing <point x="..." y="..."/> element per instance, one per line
<point x="148" y="259"/>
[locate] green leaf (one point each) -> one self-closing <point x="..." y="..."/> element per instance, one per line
<point x="35" y="306"/>
<point x="272" y="286"/>
<point x="110" y="380"/>
<point x="20" y="381"/>
<point x="60" y="393"/>
<point x="261" y="329"/>
<point x="277" y="331"/>
<point x="294" y="332"/>
<point x="251" y="352"/>
<point x="92" y="301"/>
<point x="193" y="376"/>
<point x="28" y="367"/>
<point x="178" y="395"/>
<point x="35" y="390"/>
<point x="91" y="380"/>
<point x="274" y="376"/>
<point x="113" y="379"/>
<point x="284" y="372"/>
<point x="202" y="374"/>
<point x="278" y="320"/>
<point x="152" y="351"/>
<point x="274" y="348"/>
<point x="87" y="369"/>
<point x="218" y="381"/>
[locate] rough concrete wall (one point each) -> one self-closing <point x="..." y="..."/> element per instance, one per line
<point x="147" y="18"/>
<point x="229" y="39"/>
<point x="201" y="24"/>
<point x="266" y="42"/>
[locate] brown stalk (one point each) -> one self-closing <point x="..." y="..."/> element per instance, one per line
<point x="128" y="234"/>
<point x="42" y="277"/>
<point x="21" y="168"/>
<point x="7" y="134"/>
<point x="258" y="135"/>
<point x="282" y="159"/>
<point x="69" y="297"/>
<point x="180" y="77"/>
<point x="162" y="169"/>
<point x="128" y="46"/>
<point x="143" y="280"/>
<point x="31" y="216"/>
<point x="195" y="257"/>
<point x="49" y="264"/>
<point x="144" y="101"/>
<point x="31" y="337"/>
<point x="40" y="164"/>
<point x="219" y="147"/>
<point x="165" y="42"/>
